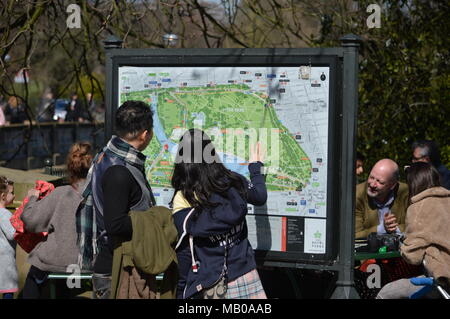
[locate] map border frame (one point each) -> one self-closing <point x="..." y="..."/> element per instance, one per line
<point x="262" y="58"/>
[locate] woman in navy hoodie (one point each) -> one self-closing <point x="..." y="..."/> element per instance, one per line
<point x="209" y="207"/>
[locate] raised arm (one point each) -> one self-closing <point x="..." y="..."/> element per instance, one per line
<point x="37" y="215"/>
<point x="256" y="189"/>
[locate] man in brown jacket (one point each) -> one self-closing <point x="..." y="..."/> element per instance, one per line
<point x="381" y="202"/>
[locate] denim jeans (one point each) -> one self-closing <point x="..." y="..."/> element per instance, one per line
<point x="101" y="286"/>
<point x="403" y="288"/>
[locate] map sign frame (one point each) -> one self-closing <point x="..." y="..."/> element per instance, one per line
<point x="262" y="58"/>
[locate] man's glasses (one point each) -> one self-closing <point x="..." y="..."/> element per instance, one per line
<point x="417" y="159"/>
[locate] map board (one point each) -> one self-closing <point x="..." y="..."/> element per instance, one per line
<point x="290" y="103"/>
<point x="286" y="108"/>
<point x="300" y="103"/>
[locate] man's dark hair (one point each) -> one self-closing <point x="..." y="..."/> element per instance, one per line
<point x="132" y="118"/>
<point x="421" y="176"/>
<point x="360" y="157"/>
<point x="430" y="149"/>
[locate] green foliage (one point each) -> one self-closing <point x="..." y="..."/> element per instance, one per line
<point x="34" y="92"/>
<point x="404" y="79"/>
<point x="93" y="83"/>
<point x="404" y="75"/>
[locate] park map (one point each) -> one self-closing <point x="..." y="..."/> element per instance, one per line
<point x="286" y="108"/>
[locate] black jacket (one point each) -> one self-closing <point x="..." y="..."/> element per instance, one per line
<point x="213" y="229"/>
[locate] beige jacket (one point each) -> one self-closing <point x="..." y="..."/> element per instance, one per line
<point x="428" y="232"/>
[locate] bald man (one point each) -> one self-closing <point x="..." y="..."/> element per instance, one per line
<point x="381" y="202"/>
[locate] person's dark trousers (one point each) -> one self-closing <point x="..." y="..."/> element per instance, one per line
<point x="101" y="286"/>
<point x="34" y="283"/>
<point x="37" y="286"/>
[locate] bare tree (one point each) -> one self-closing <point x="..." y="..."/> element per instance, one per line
<point x="34" y="37"/>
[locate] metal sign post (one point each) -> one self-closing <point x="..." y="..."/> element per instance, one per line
<point x="342" y="87"/>
<point x="345" y="285"/>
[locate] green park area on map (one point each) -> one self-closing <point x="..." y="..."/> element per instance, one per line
<point x="226" y="107"/>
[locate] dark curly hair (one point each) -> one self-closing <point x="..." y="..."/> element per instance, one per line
<point x="132" y="118"/>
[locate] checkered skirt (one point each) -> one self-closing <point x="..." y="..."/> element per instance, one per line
<point x="247" y="286"/>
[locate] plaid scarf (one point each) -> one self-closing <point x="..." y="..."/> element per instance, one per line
<point x="86" y="214"/>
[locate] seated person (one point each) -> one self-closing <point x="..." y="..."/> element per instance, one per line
<point x="428" y="152"/>
<point x="359" y="164"/>
<point x="359" y="167"/>
<point x="381" y="202"/>
<point x="426" y="236"/>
